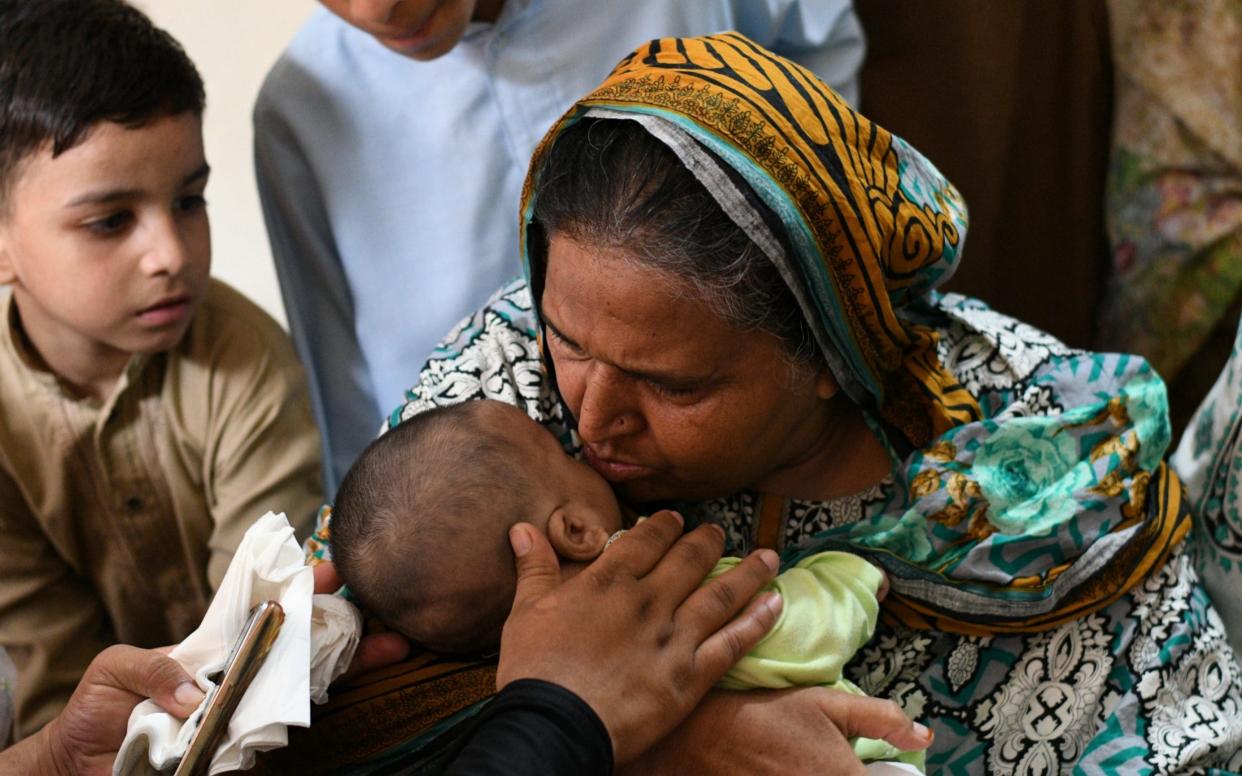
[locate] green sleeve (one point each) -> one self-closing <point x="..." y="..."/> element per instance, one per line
<point x="829" y="612"/>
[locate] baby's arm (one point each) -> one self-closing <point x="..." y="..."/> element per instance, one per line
<point x="830" y="610"/>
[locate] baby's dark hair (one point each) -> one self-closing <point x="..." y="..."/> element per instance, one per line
<point x="66" y="65"/>
<point x="396" y="521"/>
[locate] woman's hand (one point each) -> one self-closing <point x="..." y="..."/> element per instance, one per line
<point x="800" y="731"/>
<point x="375" y="650"/>
<point x="636" y="635"/>
<point x="85" y="738"/>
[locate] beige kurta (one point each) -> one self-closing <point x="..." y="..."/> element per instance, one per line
<point x="118" y="518"/>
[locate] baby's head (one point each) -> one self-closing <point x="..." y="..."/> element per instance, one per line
<point x="420" y="527"/>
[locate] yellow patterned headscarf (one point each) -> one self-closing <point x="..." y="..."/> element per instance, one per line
<point x="1004" y="522"/>
<point x="871" y="223"/>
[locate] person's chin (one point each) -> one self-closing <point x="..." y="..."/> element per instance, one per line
<point x="438" y="39"/>
<point x="649" y="491"/>
<point x="150" y="342"/>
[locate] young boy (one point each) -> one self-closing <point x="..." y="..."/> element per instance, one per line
<point x="147" y="413"/>
<point x="420" y="531"/>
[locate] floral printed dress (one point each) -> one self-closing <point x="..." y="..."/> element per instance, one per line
<point x="1147" y="684"/>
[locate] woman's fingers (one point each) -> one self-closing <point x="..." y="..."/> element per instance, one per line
<point x="641" y="548"/>
<point x="680" y="572"/>
<point x="709" y="608"/>
<point x="731" y="643"/>
<point x="858" y="715"/>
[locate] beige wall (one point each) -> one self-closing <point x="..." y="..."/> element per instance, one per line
<point x="234" y="42"/>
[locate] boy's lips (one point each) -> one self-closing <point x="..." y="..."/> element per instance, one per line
<point x="615" y="470"/>
<point x="169" y="311"/>
<point x="410" y="37"/>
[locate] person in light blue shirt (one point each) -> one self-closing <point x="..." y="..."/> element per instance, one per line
<point x="391" y="141"/>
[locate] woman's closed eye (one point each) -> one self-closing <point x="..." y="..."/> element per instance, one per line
<point x="674" y="390"/>
<point x="562" y="343"/>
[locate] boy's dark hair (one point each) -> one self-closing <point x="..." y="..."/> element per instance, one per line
<point x="66" y="65"/>
<point x="405" y="500"/>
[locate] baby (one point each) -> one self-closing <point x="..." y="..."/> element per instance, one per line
<point x="420" y="530"/>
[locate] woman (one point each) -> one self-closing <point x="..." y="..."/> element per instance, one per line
<point x="733" y="281"/>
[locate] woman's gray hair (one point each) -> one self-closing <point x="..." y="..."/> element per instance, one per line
<point x="610" y="183"/>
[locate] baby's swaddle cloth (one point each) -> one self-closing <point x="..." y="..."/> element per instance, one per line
<point x="315" y="644"/>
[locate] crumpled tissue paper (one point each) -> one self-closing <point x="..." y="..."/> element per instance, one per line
<point x="315" y="645"/>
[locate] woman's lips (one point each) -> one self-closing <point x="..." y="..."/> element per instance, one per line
<point x="613" y="470"/>
<point x="167" y="312"/>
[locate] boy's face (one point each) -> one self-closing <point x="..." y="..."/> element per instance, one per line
<point x="107" y="246"/>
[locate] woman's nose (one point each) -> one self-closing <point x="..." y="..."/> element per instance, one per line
<point x="606" y="411"/>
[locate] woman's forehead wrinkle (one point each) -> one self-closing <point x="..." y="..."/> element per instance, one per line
<point x="612" y="310"/>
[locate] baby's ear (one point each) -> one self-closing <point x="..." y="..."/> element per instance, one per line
<point x="574" y="538"/>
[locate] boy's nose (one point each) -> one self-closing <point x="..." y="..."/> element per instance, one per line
<point x="372" y="11"/>
<point x="166" y="255"/>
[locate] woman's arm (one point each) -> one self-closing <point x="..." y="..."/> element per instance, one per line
<point x="797" y="731"/>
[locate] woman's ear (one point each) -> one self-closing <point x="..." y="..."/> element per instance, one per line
<point x="574" y="538"/>
<point x="826" y="385"/>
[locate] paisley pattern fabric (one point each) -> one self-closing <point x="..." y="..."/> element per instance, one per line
<point x="1146" y="684"/>
<point x="1009" y="520"/>
<point x="1209" y="459"/>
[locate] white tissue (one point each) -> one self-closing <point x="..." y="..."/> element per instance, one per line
<point x="314" y="646"/>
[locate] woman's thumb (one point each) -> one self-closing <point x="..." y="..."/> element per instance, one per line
<point x="538" y="569"/>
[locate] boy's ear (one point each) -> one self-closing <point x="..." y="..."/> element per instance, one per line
<point x="574" y="538"/>
<point x="7" y="272"/>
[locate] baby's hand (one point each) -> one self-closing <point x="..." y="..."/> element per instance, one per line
<point x="883" y="589"/>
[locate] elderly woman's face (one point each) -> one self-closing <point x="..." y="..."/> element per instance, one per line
<point x="671" y="401"/>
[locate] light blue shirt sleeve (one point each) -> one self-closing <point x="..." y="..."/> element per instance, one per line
<point x="317" y="298"/>
<point x="390" y="187"/>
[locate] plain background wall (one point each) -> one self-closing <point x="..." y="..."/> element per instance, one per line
<point x="234" y="42"/>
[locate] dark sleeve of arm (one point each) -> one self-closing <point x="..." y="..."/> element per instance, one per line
<point x="534" y="727"/>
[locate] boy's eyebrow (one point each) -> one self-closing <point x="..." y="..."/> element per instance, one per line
<point x="115" y="195"/>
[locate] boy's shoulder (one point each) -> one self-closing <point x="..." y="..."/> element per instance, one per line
<point x="231" y="334"/>
<point x="320" y="62"/>
<point x="225" y="309"/>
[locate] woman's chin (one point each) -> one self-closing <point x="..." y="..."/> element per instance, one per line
<point x="656" y="491"/>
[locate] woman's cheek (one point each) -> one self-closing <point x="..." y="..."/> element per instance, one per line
<point x="683" y="434"/>
<point x="570" y="377"/>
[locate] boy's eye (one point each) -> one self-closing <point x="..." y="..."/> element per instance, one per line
<point x="111" y="224"/>
<point x="192" y="202"/>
